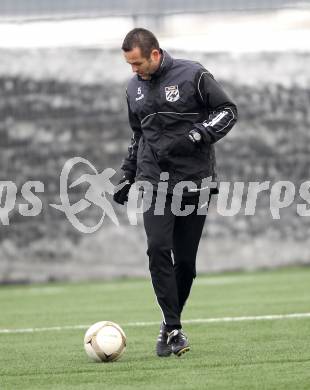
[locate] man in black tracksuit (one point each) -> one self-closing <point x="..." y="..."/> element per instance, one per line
<point x="177" y="111"/>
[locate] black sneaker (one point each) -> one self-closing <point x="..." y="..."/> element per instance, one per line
<point x="178" y="342"/>
<point x="162" y="348"/>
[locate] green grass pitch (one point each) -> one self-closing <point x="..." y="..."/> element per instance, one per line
<point x="249" y="354"/>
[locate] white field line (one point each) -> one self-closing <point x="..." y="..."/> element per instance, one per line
<point x="151" y="323"/>
<point x="35" y="291"/>
<point x="202" y="281"/>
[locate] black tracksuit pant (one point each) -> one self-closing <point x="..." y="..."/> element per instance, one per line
<point x="172" y="247"/>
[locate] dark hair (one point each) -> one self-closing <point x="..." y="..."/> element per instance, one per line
<point x="142" y="38"/>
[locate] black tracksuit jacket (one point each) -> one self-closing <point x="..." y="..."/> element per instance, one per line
<point x="181" y="95"/>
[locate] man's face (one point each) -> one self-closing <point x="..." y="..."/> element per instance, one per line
<point x="144" y="67"/>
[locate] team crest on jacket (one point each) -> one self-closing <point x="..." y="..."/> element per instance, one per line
<point x="172" y="93"/>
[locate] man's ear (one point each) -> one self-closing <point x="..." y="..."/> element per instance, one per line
<point x="155" y="55"/>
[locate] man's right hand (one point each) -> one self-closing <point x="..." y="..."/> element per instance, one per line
<point x="122" y="189"/>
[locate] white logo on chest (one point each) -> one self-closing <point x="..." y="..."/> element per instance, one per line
<point x="140" y="94"/>
<point x="172" y="93"/>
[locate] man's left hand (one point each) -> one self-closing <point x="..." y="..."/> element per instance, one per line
<point x="185" y="145"/>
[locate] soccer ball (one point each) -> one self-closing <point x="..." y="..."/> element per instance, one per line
<point x="105" y="341"/>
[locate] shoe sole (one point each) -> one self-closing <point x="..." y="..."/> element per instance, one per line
<point x="182" y="351"/>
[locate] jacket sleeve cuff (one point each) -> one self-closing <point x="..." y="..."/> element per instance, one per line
<point x="130" y="175"/>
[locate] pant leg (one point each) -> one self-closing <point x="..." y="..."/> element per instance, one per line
<point x="159" y="231"/>
<point x="186" y="238"/>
